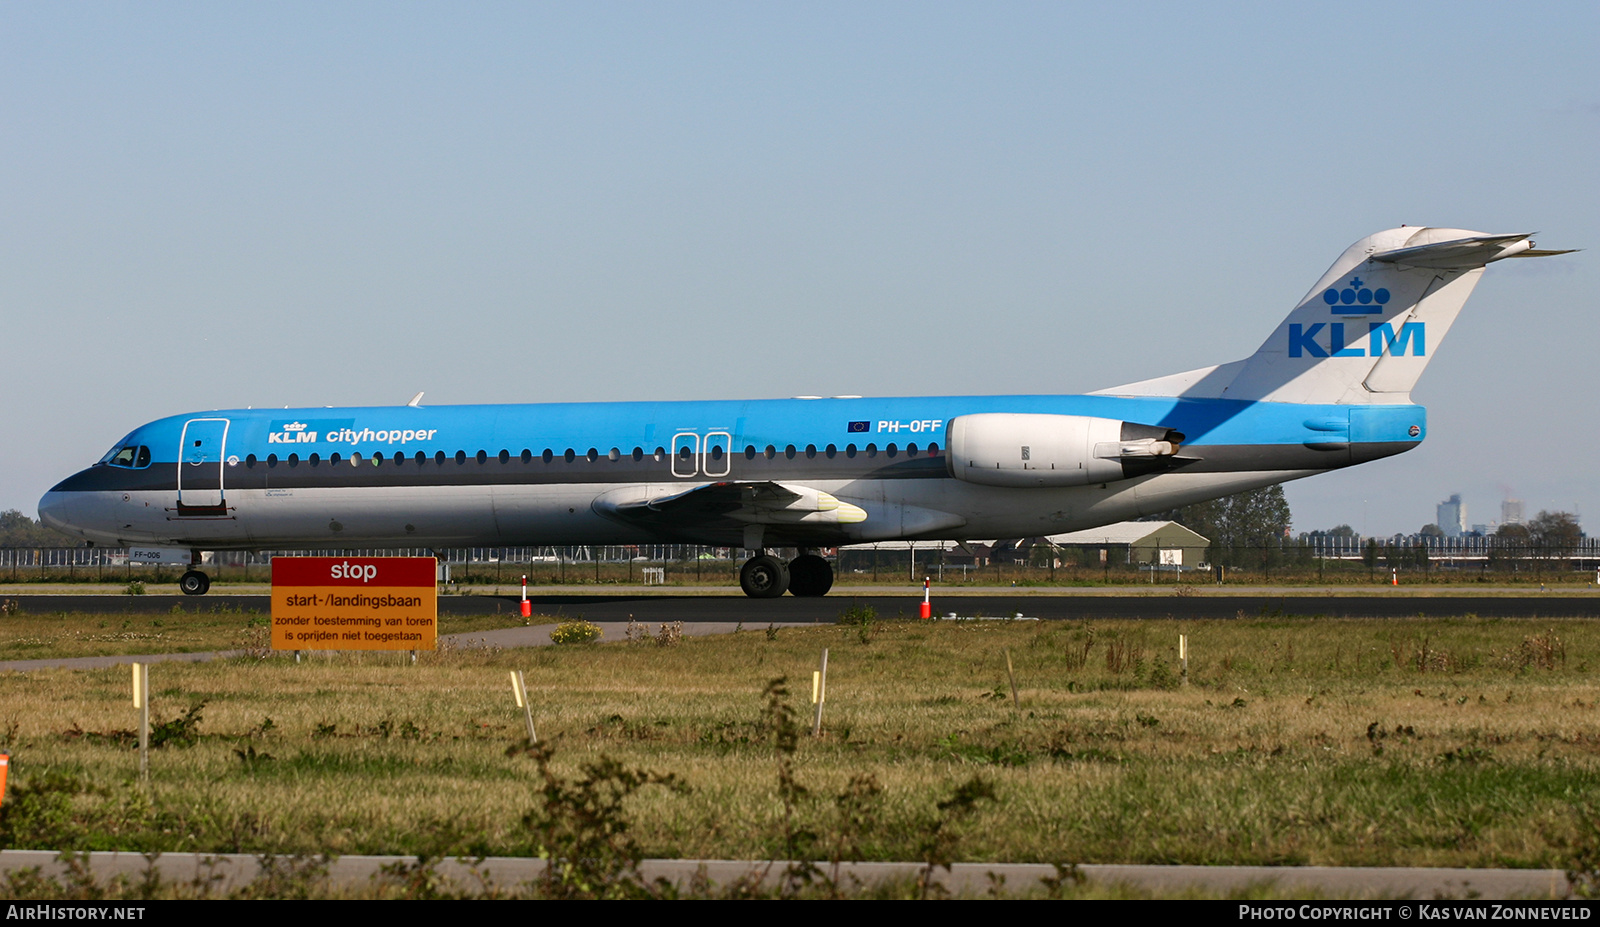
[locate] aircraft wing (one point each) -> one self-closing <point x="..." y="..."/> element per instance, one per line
<point x="762" y="502"/>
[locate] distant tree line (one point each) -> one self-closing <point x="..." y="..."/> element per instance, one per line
<point x="18" y="530"/>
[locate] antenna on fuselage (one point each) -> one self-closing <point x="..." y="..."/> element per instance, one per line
<point x="415" y="400"/>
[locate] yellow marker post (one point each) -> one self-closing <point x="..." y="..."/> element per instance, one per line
<point x="141" y="701"/>
<point x="519" y="688"/>
<point x="819" y="693"/>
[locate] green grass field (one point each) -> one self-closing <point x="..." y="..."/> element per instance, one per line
<point x="1464" y="742"/>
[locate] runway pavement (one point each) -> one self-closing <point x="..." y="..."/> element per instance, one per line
<point x="643" y="606"/>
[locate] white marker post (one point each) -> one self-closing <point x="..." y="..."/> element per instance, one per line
<point x="519" y="688"/>
<point x="141" y="701"/>
<point x="1183" y="658"/>
<point x="819" y="692"/>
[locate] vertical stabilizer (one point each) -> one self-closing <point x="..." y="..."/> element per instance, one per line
<point x="1366" y="330"/>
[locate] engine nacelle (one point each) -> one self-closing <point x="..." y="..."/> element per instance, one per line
<point x="1033" y="450"/>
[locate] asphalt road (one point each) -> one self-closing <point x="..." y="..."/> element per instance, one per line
<point x="758" y="612"/>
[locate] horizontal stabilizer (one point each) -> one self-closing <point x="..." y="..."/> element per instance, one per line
<point x="1459" y="253"/>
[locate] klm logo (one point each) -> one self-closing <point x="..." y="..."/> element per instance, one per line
<point x="1309" y="340"/>
<point x="292" y="433"/>
<point x="301" y="431"/>
<point x="1355" y="298"/>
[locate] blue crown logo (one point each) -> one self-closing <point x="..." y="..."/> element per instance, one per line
<point x="1355" y="298"/>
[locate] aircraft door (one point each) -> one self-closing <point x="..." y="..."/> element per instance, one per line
<point x="685" y="454"/>
<point x="717" y="460"/>
<point x="200" y="463"/>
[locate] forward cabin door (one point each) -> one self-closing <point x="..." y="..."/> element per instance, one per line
<point x="200" y="465"/>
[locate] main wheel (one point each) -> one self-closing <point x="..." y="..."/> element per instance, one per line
<point x="810" y="575"/>
<point x="764" y="577"/>
<point x="194" y="582"/>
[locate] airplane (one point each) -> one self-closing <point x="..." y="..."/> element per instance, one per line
<point x="1329" y="388"/>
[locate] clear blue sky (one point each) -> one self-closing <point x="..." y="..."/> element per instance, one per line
<point x="213" y="205"/>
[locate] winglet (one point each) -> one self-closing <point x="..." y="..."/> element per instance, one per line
<point x="416" y="401"/>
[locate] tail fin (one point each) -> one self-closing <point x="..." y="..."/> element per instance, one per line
<point x="1366" y="330"/>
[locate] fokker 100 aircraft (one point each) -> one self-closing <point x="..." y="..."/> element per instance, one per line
<point x="1330" y="387"/>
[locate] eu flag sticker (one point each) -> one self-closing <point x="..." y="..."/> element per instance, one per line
<point x="858" y="427"/>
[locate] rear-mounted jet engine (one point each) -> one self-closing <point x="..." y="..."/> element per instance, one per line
<point x="1023" y="449"/>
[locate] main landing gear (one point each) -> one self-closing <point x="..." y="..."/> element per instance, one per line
<point x="766" y="577"/>
<point x="194" y="582"/>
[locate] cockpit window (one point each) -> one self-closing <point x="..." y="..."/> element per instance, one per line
<point x="128" y="456"/>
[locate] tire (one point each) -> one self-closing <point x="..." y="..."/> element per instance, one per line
<point x="764" y="577"/>
<point x="194" y="582"/>
<point x="810" y="576"/>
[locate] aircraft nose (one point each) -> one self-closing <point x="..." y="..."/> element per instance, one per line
<point x="55" y="510"/>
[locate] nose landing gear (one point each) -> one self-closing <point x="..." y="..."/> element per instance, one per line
<point x="194" y="582"/>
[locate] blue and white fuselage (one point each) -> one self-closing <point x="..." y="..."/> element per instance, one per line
<point x="1330" y="388"/>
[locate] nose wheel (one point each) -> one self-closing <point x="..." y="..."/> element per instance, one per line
<point x="194" y="582"/>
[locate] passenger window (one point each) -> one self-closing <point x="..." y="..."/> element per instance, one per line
<point x="716" y="452"/>
<point x="505" y="456"/>
<point x="399" y="458"/>
<point x="832" y="452"/>
<point x="570" y="455"/>
<point x="314" y="460"/>
<point x="438" y="458"/>
<point x="482" y="456"/>
<point x="547" y="456"/>
<point x="355" y="459"/>
<point x="615" y="455"/>
<point x="421" y="458"/>
<point x="933" y="450"/>
<point x="272" y="460"/>
<point x="250" y="461"/>
<point x="593" y="455"/>
<point x="294" y="460"/>
<point x="461" y="457"/>
<point x="811" y="451"/>
<point x="770" y="452"/>
<point x="872" y="450"/>
<point x="749" y="452"/>
<point x="661" y="454"/>
<point x="789" y="452"/>
<point x="850" y="450"/>
<point x="891" y="450"/>
<point x="527" y="455"/>
<point x="911" y="450"/>
<point x="638" y="454"/>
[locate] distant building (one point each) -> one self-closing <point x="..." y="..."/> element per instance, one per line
<point x="1452" y="518"/>
<point x="1511" y="512"/>
<point x="1165" y="543"/>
